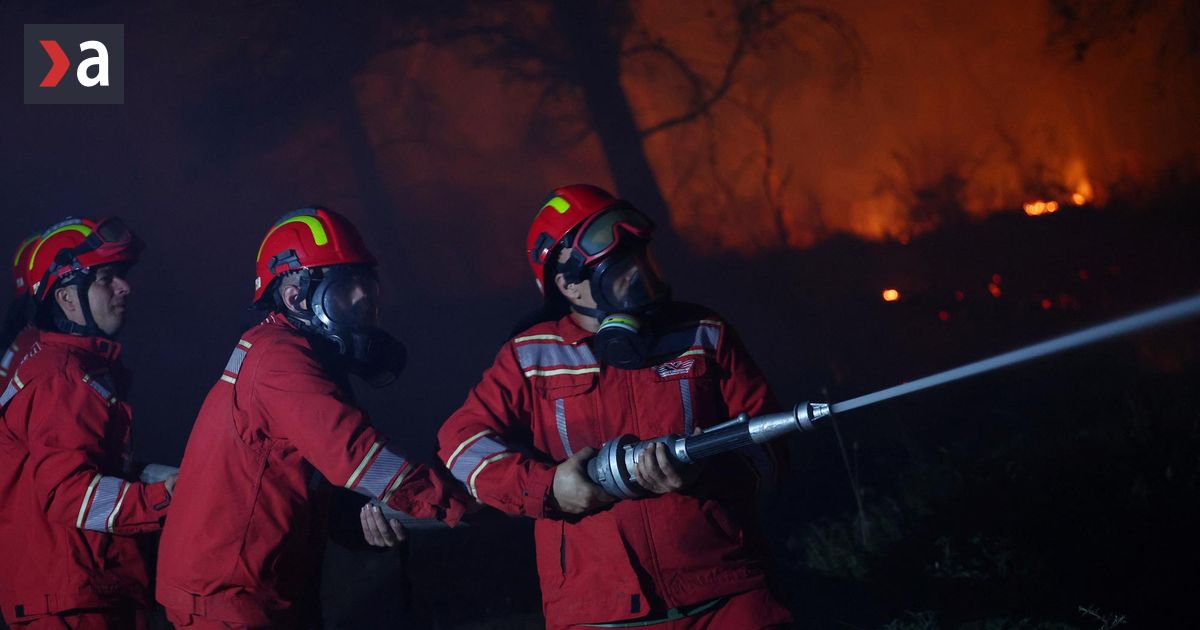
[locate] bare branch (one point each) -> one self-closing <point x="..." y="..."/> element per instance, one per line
<point x="754" y="19"/>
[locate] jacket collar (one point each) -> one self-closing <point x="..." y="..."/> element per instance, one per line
<point x="98" y="346"/>
<point x="571" y="332"/>
<point x="278" y="319"/>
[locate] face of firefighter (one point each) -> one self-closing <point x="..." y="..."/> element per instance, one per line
<point x="107" y="297"/>
<point x="577" y="293"/>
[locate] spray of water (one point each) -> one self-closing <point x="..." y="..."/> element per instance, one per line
<point x="1152" y="318"/>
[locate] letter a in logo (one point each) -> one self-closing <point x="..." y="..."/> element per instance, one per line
<point x="60" y="61"/>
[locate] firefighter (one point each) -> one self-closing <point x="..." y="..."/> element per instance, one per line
<point x="69" y="501"/>
<point x="622" y="358"/>
<point x="19" y="333"/>
<point x="248" y="525"/>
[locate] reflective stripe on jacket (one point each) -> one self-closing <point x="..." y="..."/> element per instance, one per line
<point x="546" y="396"/>
<point x="12" y="358"/>
<point x="248" y="524"/>
<point x="67" y="506"/>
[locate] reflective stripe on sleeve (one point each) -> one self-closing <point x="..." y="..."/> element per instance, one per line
<point x="112" y="518"/>
<point x="87" y="497"/>
<point x="380" y="474"/>
<point x="472" y="453"/>
<point x="108" y="490"/>
<point x="9" y="392"/>
<point x="482" y="465"/>
<point x="234" y="365"/>
<point x="6" y="361"/>
<point x="353" y="480"/>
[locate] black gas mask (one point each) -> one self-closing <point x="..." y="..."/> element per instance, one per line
<point x="343" y="311"/>
<point x="611" y="253"/>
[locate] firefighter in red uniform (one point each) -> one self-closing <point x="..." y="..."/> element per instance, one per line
<point x="19" y="333"/>
<point x="244" y="541"/>
<point x="69" y="503"/>
<point x="624" y="359"/>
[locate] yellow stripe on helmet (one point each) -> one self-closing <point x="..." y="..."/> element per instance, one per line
<point x="314" y="226"/>
<point x="77" y="227"/>
<point x="559" y="204"/>
<point x="21" y="249"/>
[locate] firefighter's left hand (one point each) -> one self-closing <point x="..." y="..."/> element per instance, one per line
<point x="378" y="530"/>
<point x="658" y="474"/>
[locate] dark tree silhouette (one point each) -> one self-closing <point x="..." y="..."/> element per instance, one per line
<point x="576" y="48"/>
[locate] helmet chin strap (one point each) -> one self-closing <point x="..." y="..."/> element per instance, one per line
<point x="89" y="328"/>
<point x="589" y="312"/>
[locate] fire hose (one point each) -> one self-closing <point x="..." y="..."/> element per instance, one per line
<point x="614" y="465"/>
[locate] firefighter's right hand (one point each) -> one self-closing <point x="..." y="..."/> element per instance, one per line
<point x="573" y="492"/>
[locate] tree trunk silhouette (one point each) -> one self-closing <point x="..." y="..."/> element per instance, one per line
<point x="597" y="63"/>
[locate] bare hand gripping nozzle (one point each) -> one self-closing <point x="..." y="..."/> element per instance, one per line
<point x="614" y="464"/>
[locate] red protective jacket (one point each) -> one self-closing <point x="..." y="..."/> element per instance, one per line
<point x="248" y="524"/>
<point x="546" y="397"/>
<point x="67" y="507"/>
<point x="12" y="356"/>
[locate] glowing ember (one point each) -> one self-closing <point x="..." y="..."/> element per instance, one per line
<point x="1037" y="208"/>
<point x="890" y="295"/>
<point x="1083" y="193"/>
<point x="944" y="316"/>
<point x="1047" y="303"/>
<point x="994" y="289"/>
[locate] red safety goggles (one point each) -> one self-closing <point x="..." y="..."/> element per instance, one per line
<point x="601" y="233"/>
<point x="109" y="236"/>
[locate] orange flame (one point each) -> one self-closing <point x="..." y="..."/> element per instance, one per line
<point x="1037" y="208"/>
<point x="890" y="295"/>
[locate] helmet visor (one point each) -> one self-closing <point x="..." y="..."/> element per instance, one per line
<point x="348" y="299"/>
<point x="632" y="281"/>
<point x="603" y="232"/>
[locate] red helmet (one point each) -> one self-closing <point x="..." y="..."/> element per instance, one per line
<point x="20" y="267"/>
<point x="75" y="244"/>
<point x="304" y="239"/>
<point x="580" y="205"/>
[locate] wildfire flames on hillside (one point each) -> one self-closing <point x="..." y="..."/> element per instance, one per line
<point x="890" y="121"/>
